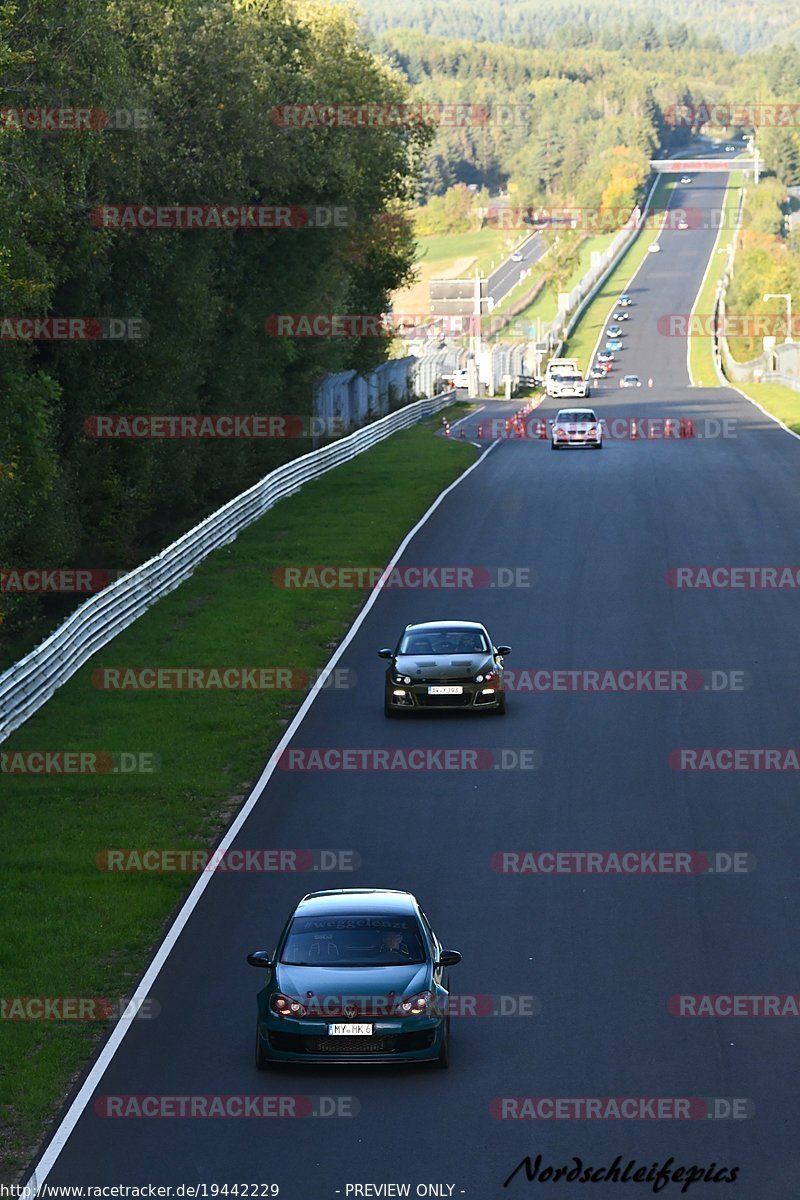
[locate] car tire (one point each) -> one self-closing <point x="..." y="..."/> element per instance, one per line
<point x="262" y="1062"/>
<point x="599" y="446"/>
<point x="388" y="711"/>
<point x="553" y="446"/>
<point x="500" y="710"/>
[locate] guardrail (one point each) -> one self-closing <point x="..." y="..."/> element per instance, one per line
<point x="29" y="683"/>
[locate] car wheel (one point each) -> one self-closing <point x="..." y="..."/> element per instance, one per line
<point x="499" y="711"/>
<point x="599" y="446"/>
<point x="553" y="446"/>
<point x="262" y="1062"/>
<point x="389" y="711"/>
<point x="443" y="1061"/>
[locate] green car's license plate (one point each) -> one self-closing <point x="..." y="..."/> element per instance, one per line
<point x="350" y="1030"/>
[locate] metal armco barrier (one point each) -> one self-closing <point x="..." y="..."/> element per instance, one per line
<point x="29" y="683"/>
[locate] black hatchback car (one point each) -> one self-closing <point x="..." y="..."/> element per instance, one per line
<point x="444" y="664"/>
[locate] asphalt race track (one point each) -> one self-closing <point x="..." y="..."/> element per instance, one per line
<point x="501" y="281"/>
<point x="602" y="954"/>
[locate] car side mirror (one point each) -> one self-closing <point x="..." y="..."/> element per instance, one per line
<point x="259" y="958"/>
<point x="385" y="653"/>
<point x="503" y="651"/>
<point x="449" y="958"/>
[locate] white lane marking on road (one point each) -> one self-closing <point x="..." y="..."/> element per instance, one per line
<point x="474" y="413"/>
<point x="75" y="1110"/>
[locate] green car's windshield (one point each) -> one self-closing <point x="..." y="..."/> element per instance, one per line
<point x="353" y="941"/>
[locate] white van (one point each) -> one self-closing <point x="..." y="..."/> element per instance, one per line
<point x="557" y="369"/>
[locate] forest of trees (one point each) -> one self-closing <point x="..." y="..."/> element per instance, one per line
<point x="575" y="105"/>
<point x="579" y="128"/>
<point x="738" y="25"/>
<point x="206" y="74"/>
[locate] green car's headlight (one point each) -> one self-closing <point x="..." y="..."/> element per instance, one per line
<point x="413" y="1006"/>
<point x="285" y="1006"/>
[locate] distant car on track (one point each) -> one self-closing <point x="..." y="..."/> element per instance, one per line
<point x="683" y="223"/>
<point x="615" y="331"/>
<point x="606" y="356"/>
<point x="516" y="256"/>
<point x="624" y="301"/>
<point x="630" y="381"/>
<point x="653" y="248"/>
<point x="622" y="316"/>
<point x="358" y="976"/>
<point x="686" y="179"/>
<point x="613" y="344"/>
<point x="444" y="664"/>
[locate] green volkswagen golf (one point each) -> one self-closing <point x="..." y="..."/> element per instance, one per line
<point x="358" y="976"/>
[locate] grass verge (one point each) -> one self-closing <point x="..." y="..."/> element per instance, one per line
<point x="701" y="357"/>
<point x="783" y="402"/>
<point x="73" y="930"/>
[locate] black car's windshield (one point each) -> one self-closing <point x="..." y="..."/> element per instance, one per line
<point x="353" y="941"/>
<point x="443" y="639"/>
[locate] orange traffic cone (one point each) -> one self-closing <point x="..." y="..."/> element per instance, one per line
<point x="650" y="381"/>
<point x="447" y="429"/>
<point x="634" y="431"/>
<point x="463" y="432"/>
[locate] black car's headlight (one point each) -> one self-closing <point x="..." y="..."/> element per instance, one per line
<point x="414" y="1006"/>
<point x="398" y="678"/>
<point x="285" y="1006"/>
